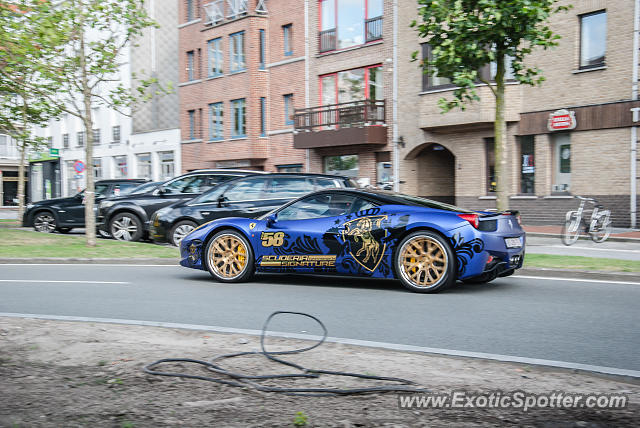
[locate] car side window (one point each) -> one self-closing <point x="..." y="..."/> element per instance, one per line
<point x="216" y="179"/>
<point x="245" y="190"/>
<point x="211" y="196"/>
<point x="318" y="206"/>
<point x="121" y="189"/>
<point x="288" y="187"/>
<point x="102" y="190"/>
<point x="326" y="183"/>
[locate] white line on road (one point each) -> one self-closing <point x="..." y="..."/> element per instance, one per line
<point x="393" y="346"/>
<point x="556" y="278"/>
<point x="47" y="281"/>
<point x="585" y="248"/>
<point x="87" y="264"/>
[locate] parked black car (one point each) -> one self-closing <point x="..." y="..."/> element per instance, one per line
<point x="242" y="197"/>
<point x="63" y="214"/>
<point x="127" y="218"/>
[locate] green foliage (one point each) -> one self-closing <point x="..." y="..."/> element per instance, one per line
<point x="466" y="35"/>
<point x="300" y="419"/>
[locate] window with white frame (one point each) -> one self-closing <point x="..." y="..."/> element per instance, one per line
<point x="97" y="168"/>
<point x="65" y="141"/>
<point x="236" y="52"/>
<point x="115" y="131"/>
<point x="96" y="137"/>
<point x="143" y="161"/>
<point x="167" y="165"/>
<point x="80" y="141"/>
<point x="120" y="163"/>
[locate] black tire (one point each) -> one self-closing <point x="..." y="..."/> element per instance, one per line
<point x="64" y="229"/>
<point x="126" y="227"/>
<point x="481" y="279"/>
<point x="212" y="252"/>
<point x="442" y="264"/>
<point x="44" y="221"/>
<point x="180" y="230"/>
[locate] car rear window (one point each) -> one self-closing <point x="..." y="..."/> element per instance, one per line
<point x="289" y="187"/>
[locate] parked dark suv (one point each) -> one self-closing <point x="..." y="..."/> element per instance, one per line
<point x="242" y="197"/>
<point x="127" y="218"/>
<point x="63" y="214"/>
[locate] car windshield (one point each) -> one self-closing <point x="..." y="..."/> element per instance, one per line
<point x="422" y="202"/>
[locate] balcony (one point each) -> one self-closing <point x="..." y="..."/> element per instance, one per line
<point x="219" y="10"/>
<point x="344" y="124"/>
<point x="327" y="40"/>
<point x="373" y="29"/>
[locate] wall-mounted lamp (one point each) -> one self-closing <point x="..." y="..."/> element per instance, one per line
<point x="400" y="141"/>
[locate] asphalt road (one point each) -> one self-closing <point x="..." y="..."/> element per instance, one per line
<point x="583" y="322"/>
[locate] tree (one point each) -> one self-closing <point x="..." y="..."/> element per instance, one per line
<point x="88" y="68"/>
<point x="466" y="35"/>
<point x="20" y="108"/>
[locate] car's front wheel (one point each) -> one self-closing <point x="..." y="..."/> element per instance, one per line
<point x="424" y="262"/>
<point x="229" y="257"/>
<point x="44" y="222"/>
<point x="180" y="230"/>
<point x="126" y="227"/>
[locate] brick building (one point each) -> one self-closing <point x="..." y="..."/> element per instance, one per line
<point x="286" y="86"/>
<point x="570" y="136"/>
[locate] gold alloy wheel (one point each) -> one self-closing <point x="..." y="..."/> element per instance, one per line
<point x="227" y="256"/>
<point x="423" y="261"/>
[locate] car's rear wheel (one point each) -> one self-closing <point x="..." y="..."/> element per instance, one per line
<point x="180" y="230"/>
<point x="126" y="227"/>
<point x="44" y="221"/>
<point x="424" y="262"/>
<point x="229" y="257"/>
<point x="64" y="229"/>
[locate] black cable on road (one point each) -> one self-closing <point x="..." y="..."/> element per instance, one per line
<point x="242" y="380"/>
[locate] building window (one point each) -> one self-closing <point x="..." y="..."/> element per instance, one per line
<point x="287" y="39"/>
<point x="65" y="141"/>
<point x="80" y="139"/>
<point x="288" y="109"/>
<point x="430" y="81"/>
<point x="49" y="142"/>
<point x="116" y="133"/>
<point x="96" y="137"/>
<point x="562" y="162"/>
<point x="97" y="168"/>
<point x="238" y="123"/>
<point x="215" y="57"/>
<point x="346" y="23"/>
<point x="527" y="165"/>
<point x="190" y="66"/>
<point x="167" y="165"/>
<point x="144" y="165"/>
<point x="216" y="124"/>
<point x="262" y="43"/>
<point x="593" y="39"/>
<point x="236" y="52"/>
<point x="491" y="164"/>
<point x="341" y="165"/>
<point x="263" y="114"/>
<point x="289" y="168"/>
<point x="192" y="124"/>
<point x="120" y="163"/>
<point x="352" y="85"/>
<point x="190" y="10"/>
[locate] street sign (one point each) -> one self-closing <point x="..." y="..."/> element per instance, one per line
<point x="54" y="153"/>
<point x="78" y="166"/>
<point x="561" y="120"/>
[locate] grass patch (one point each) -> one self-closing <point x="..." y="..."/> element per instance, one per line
<point x="577" y="262"/>
<point x="6" y="222"/>
<point x="27" y="243"/>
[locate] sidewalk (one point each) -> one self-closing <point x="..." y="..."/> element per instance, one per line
<point x="61" y="373"/>
<point x="557" y="230"/>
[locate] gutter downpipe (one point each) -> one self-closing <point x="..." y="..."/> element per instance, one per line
<point x="396" y="160"/>
<point x="634" y="127"/>
<point x="306" y="72"/>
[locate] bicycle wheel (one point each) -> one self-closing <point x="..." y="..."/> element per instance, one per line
<point x="601" y="227"/>
<point x="571" y="228"/>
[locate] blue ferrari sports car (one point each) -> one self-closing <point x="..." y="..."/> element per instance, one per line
<point x="425" y="244"/>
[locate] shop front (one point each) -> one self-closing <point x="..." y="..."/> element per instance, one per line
<point x="44" y="175"/>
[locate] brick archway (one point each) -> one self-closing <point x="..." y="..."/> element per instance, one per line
<point x="435" y="167"/>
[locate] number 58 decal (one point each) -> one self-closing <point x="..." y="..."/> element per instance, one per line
<point x="272" y="239"/>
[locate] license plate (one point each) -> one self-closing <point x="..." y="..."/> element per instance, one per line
<point x="513" y="242"/>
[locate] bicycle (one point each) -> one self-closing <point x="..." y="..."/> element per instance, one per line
<point x="599" y="227"/>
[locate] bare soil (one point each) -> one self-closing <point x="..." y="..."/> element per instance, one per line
<point x="72" y="374"/>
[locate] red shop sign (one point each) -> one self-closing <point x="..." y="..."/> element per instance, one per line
<point x="561" y="120"/>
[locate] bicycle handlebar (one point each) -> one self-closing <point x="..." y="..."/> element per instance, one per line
<point x="587" y="199"/>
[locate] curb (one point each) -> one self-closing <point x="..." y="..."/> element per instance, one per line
<point x="610" y="238"/>
<point x="61" y="261"/>
<point x="579" y="274"/>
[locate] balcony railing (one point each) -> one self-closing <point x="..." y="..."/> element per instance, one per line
<point x="327" y="40"/>
<point x="354" y="113"/>
<point x="216" y="11"/>
<point x="373" y="29"/>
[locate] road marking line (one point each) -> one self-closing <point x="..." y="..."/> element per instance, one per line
<point x="586" y="248"/>
<point x="62" y="282"/>
<point x="87" y="264"/>
<point x="393" y="346"/>
<point x="555" y="278"/>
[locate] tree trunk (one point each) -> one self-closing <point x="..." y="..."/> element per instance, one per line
<point x="500" y="133"/>
<point x="87" y="120"/>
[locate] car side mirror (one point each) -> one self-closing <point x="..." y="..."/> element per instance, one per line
<point x="221" y="201"/>
<point x="271" y="220"/>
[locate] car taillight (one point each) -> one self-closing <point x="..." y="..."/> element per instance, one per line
<point x="471" y="218"/>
